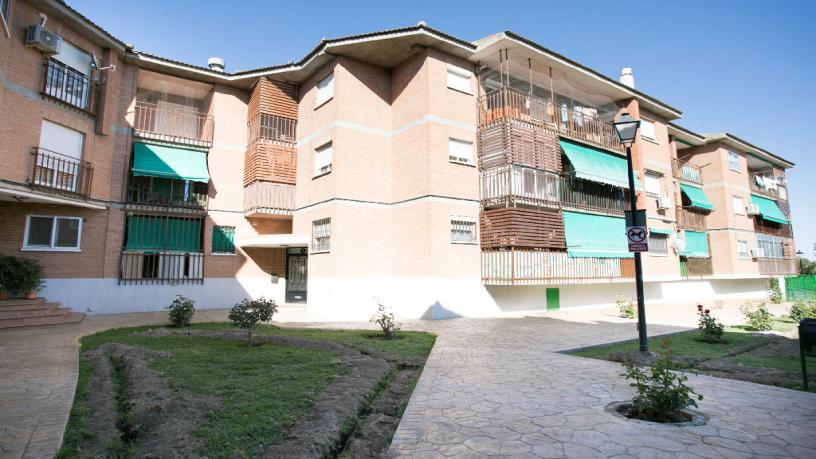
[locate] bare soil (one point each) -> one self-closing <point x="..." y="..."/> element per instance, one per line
<point x="775" y="347"/>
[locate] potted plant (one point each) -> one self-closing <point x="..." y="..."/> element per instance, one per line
<point x="25" y="277"/>
<point x="5" y="276"/>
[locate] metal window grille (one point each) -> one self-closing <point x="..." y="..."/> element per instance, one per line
<point x="162" y="249"/>
<point x="463" y="230"/>
<point x="659" y="243"/>
<point x="321" y="235"/>
<point x="223" y="240"/>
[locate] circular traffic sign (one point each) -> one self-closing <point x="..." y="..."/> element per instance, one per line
<point x="636" y="234"/>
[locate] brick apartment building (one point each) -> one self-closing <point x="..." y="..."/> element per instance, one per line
<point x="405" y="165"/>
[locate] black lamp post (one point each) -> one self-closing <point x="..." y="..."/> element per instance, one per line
<point x="626" y="128"/>
<point x="799" y="254"/>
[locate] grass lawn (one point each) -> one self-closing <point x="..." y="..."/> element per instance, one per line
<point x="263" y="389"/>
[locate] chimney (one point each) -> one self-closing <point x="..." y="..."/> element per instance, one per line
<point x="216" y="64"/>
<point x="626" y="77"/>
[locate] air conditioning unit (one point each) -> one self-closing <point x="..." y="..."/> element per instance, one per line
<point x="37" y="36"/>
<point x="758" y="252"/>
<point x="663" y="202"/>
<point x="752" y="209"/>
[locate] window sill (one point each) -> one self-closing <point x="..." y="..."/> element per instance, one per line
<point x="462" y="163"/>
<point x="647" y="139"/>
<point x="222" y="254"/>
<point x="50" y="249"/>
<point x="315" y="177"/>
<point x="469" y="93"/>
<point x="658" y="254"/>
<point x="324" y="102"/>
<point x="465" y="243"/>
<point x="319" y="252"/>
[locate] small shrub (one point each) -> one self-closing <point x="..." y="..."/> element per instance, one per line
<point x="803" y="309"/>
<point x="757" y="319"/>
<point x="661" y="394"/>
<point x="248" y="314"/>
<point x="386" y="320"/>
<point x="21" y="275"/>
<point x="774" y="292"/>
<point x="711" y="331"/>
<point x="181" y="311"/>
<point x="626" y="309"/>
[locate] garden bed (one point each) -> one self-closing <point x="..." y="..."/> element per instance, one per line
<point x="200" y="391"/>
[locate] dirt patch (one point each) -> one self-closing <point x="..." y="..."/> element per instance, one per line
<point x="687" y="417"/>
<point x="638" y="358"/>
<point x="773" y="347"/>
<point x="135" y="411"/>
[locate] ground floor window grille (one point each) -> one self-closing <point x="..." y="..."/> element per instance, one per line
<point x="463" y="230"/>
<point x="162" y="249"/>
<point x="771" y="246"/>
<point x="321" y="235"/>
<point x="659" y="243"/>
<point x="223" y="239"/>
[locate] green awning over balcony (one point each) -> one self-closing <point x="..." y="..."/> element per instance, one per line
<point x="697" y="197"/>
<point x="170" y="162"/>
<point x="665" y="231"/>
<point x="769" y="210"/>
<point x="696" y="245"/>
<point x="598" y="236"/>
<point x="597" y="165"/>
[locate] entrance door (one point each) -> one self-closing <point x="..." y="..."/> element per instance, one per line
<point x="296" y="259"/>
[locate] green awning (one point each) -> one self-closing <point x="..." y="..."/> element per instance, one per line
<point x="696" y="196"/>
<point x="769" y="210"/>
<point x="160" y="233"/>
<point x="597" y="165"/>
<point x="696" y="245"/>
<point x="598" y="236"/>
<point x="170" y="162"/>
<point x="661" y="231"/>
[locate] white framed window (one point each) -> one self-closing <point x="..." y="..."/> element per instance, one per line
<point x="647" y="129"/>
<point x="59" y="156"/>
<point x="325" y="90"/>
<point x="742" y="250"/>
<point x="463" y="230"/>
<point x="321" y="235"/>
<point x="323" y="159"/>
<point x="770" y="245"/>
<point x="459" y="79"/>
<point x="45" y="232"/>
<point x="739" y="206"/>
<point x="460" y="151"/>
<point x="733" y="161"/>
<point x="658" y="243"/>
<point x="651" y="181"/>
<point x="783" y="193"/>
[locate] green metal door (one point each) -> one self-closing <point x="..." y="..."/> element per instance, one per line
<point x="553" y="299"/>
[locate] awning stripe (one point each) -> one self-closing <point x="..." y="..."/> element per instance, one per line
<point x="769" y="210"/>
<point x="661" y="231"/>
<point x="697" y="197"/>
<point x="170" y="162"/>
<point x="597" y="165"/>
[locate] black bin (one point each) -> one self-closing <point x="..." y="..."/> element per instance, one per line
<point x="807" y="334"/>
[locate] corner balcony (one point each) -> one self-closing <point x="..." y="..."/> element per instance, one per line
<point x="510" y="105"/>
<point x="691" y="218"/>
<point x="172" y="124"/>
<point x="534" y="267"/>
<point x="688" y="172"/>
<point x="61" y="174"/>
<point x="764" y="184"/>
<point x="267" y="199"/>
<point x="777" y="266"/>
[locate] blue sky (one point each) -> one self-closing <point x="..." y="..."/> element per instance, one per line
<point x="744" y="67"/>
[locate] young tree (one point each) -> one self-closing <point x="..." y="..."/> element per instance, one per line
<point x="248" y="314"/>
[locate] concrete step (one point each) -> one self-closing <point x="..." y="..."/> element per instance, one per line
<point x="63" y="316"/>
<point x="27" y="307"/>
<point x="44" y="309"/>
<point x="21" y="302"/>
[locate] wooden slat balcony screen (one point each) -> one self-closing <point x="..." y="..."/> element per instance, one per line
<point x="690" y="218"/>
<point x="763" y="184"/>
<point x="506" y="104"/>
<point x="685" y="171"/>
<point x="514" y="185"/>
<point x="62" y="174"/>
<point x="777" y="266"/>
<point x="173" y="124"/>
<point x="518" y="143"/>
<point x="265" y="127"/>
<point x="538" y="267"/>
<point x="269" y="198"/>
<point x="270" y="162"/>
<point x="162" y="248"/>
<point x="763" y="226"/>
<point x="68" y="85"/>
<point x="519" y="227"/>
<point x="696" y="267"/>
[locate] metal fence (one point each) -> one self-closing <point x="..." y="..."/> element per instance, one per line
<point x="800" y="288"/>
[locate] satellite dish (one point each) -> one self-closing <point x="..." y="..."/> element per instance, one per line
<point x="679" y="244"/>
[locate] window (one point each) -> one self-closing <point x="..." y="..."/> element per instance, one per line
<point x="783" y="193"/>
<point x="68" y="75"/>
<point x="652" y="183"/>
<point x="325" y="90"/>
<point x="733" y="161"/>
<point x="658" y="243"/>
<point x="770" y="245"/>
<point x="223" y="240"/>
<point x="460" y="151"/>
<point x="321" y="235"/>
<point x="463" y="230"/>
<point x="52" y="233"/>
<point x="742" y="250"/>
<point x="59" y="156"/>
<point x="647" y="129"/>
<point x="459" y="79"/>
<point x="323" y="160"/>
<point x="739" y="206"/>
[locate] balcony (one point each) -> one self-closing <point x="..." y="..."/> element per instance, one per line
<point x="271" y="128"/>
<point x="511" y="186"/>
<point x="696" y="267"/>
<point x="533" y="267"/>
<point x="690" y="218"/>
<point x="764" y="184"/>
<point x="172" y="124"/>
<point x="154" y="193"/>
<point x="58" y="173"/>
<point x="777" y="266"/>
<point x="69" y="86"/>
<point x="507" y="105"/>
<point x="267" y="199"/>
<point x="688" y="172"/>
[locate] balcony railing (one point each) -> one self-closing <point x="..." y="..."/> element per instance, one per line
<point x="271" y="128"/>
<point x="161" y="268"/>
<point x="763" y="226"/>
<point x="267" y="198"/>
<point x="505" y="104"/>
<point x="159" y="192"/>
<point x="764" y="184"/>
<point x="690" y="267"/>
<point x="685" y="171"/>
<point x="162" y="248"/>
<point x="68" y="85"/>
<point x="59" y="173"/>
<point x="514" y="185"/>
<point x="173" y="124"/>
<point x="777" y="266"/>
<point x="531" y="267"/>
<point x="691" y="219"/>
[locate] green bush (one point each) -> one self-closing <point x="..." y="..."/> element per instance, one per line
<point x="757" y="319"/>
<point x="248" y="314"/>
<point x="803" y="309"/>
<point x="386" y="320"/>
<point x="661" y="394"/>
<point x="774" y="292"/>
<point x="181" y="311"/>
<point x="20" y="276"/>
<point x="5" y="273"/>
<point x="711" y="331"/>
<point x="626" y="309"/>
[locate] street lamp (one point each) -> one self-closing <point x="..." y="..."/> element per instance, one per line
<point x="799" y="254"/>
<point x="626" y="127"/>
